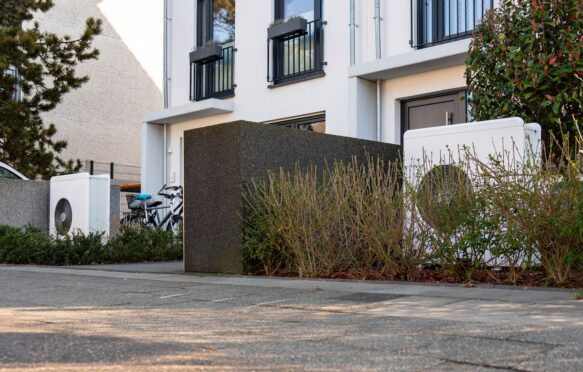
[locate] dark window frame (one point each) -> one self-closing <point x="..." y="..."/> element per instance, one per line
<point x="204" y="24"/>
<point x="438" y="23"/>
<point x="278" y="78"/>
<point x="205" y="34"/>
<point x="298" y="123"/>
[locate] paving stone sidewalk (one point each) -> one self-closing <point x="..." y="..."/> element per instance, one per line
<point x="87" y="319"/>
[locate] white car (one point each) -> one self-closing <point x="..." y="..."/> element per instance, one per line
<point x="7" y="171"/>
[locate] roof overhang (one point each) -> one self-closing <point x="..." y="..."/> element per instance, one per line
<point x="422" y="60"/>
<point x="190" y="111"/>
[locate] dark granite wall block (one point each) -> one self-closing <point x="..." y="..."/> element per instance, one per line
<point x="219" y="159"/>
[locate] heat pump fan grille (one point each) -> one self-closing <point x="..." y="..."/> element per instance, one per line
<point x="445" y="197"/>
<point x="63" y="217"/>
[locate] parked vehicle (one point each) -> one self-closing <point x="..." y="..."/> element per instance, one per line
<point x="145" y="210"/>
<point x="7" y="171"/>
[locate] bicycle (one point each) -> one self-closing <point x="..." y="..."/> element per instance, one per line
<point x="145" y="210"/>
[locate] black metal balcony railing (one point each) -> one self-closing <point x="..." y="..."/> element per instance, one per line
<point x="214" y="79"/>
<point x="297" y="55"/>
<point x="439" y="21"/>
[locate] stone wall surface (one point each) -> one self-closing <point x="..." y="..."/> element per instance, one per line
<point x="219" y="159"/>
<point x="27" y="203"/>
<point x="24" y="203"/>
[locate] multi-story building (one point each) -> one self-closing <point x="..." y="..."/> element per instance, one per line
<point x="362" y="68"/>
<point x="101" y="120"/>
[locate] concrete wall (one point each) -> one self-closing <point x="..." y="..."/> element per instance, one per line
<point x="24" y="203"/>
<point x="27" y="203"/>
<point x="220" y="159"/>
<point x="101" y="121"/>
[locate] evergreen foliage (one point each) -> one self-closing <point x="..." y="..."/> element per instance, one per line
<point x="41" y="66"/>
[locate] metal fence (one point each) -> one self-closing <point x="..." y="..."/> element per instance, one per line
<point x="444" y="20"/>
<point x="121" y="173"/>
<point x="297" y="55"/>
<point x="116" y="171"/>
<point x="213" y="79"/>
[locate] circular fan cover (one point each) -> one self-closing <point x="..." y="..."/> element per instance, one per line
<point x="63" y="217"/>
<point x="445" y="197"/>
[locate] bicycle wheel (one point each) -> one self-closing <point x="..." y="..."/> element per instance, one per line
<point x="133" y="221"/>
<point x="174" y="225"/>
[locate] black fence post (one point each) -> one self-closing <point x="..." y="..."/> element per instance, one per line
<point x="111" y="170"/>
<point x="91" y="167"/>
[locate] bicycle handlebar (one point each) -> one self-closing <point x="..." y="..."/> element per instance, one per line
<point x="166" y="187"/>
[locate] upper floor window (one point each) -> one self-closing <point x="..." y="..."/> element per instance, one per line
<point x="16" y="92"/>
<point x="296" y="8"/>
<point x="215" y="21"/>
<point x="297" y="41"/>
<point x="445" y="20"/>
<point x="212" y="64"/>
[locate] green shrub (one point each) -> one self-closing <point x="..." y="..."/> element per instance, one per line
<point x="26" y="245"/>
<point x="29" y="245"/>
<point x="137" y="245"/>
<point x="525" y="61"/>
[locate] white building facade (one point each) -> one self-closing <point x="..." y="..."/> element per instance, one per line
<point x="369" y="69"/>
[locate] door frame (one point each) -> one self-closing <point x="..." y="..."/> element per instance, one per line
<point x="418" y="97"/>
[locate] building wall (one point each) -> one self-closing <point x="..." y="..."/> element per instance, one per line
<point x="101" y="121"/>
<point x="349" y="102"/>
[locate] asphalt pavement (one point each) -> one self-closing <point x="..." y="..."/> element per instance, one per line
<point x="134" y="318"/>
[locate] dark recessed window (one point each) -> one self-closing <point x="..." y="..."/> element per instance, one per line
<point x="298" y="55"/>
<point x="213" y="62"/>
<point x="440" y="21"/>
<point x="316" y="123"/>
<point x="16" y="93"/>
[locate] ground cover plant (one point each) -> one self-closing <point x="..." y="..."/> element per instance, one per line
<point x="518" y="223"/>
<point x="30" y="245"/>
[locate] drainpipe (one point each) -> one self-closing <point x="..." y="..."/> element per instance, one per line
<point x="165" y="57"/>
<point x="166" y="93"/>
<point x="377" y="17"/>
<point x="352" y="32"/>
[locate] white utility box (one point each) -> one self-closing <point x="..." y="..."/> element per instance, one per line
<point x="79" y="203"/>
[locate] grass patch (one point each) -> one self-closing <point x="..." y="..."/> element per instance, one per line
<point x="578" y="296"/>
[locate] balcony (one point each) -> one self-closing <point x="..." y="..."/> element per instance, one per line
<point x="296" y="57"/>
<point x="213" y="78"/>
<point x="440" y="21"/>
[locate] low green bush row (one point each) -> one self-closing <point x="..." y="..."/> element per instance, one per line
<point x="30" y="245"/>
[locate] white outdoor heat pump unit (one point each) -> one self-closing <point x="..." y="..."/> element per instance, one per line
<point x="440" y="155"/>
<point x="79" y="203"/>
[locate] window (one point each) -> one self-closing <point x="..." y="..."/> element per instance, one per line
<point x="215" y="22"/>
<point x="297" y="56"/>
<point x="445" y="20"/>
<point x="213" y="77"/>
<point x="315" y="123"/>
<point x="12" y="71"/>
<point x="5" y="173"/>
<point x="297" y="8"/>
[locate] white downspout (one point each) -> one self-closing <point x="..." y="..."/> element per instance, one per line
<point x="166" y="93"/>
<point x="352" y="32"/>
<point x="377" y="18"/>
